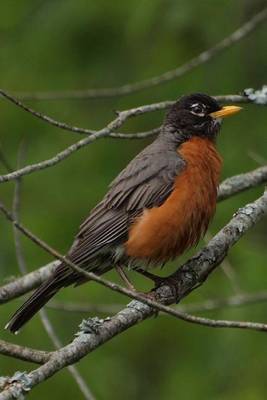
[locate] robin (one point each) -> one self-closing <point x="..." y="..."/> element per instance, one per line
<point x="157" y="207"/>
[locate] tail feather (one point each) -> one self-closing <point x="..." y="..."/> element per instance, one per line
<point x="35" y="302"/>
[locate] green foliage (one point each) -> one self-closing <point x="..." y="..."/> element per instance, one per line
<point x="56" y="45"/>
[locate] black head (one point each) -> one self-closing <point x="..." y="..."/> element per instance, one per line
<point x="197" y="115"/>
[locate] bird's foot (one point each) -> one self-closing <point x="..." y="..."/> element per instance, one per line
<point x="160" y="281"/>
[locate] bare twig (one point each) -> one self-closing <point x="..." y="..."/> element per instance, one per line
<point x="202" y="58"/>
<point x="24" y="353"/>
<point x="4" y="160"/>
<point x="257" y="157"/>
<point x="16" y="212"/>
<point x="230" y="273"/>
<point x="137" y="135"/>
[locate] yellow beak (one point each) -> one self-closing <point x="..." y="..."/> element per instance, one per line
<point x="225" y="112"/>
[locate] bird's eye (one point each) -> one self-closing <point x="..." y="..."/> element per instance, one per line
<point x="197" y="109"/>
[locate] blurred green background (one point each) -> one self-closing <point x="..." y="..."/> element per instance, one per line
<point x="55" y="45"/>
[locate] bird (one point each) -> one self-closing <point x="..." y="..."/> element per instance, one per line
<point x="159" y="206"/>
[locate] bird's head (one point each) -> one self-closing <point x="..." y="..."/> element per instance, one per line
<point x="197" y="115"/>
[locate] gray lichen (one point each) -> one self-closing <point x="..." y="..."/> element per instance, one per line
<point x="257" y="96"/>
<point x="90" y="325"/>
<point x="18" y="384"/>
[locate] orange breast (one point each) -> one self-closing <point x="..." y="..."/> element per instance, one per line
<point x="164" y="232"/>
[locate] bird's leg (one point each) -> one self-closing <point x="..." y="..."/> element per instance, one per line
<point x="155" y="278"/>
<point x="125" y="278"/>
<point x="158" y="280"/>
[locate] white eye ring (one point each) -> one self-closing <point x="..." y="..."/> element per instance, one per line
<point x="197" y="109"/>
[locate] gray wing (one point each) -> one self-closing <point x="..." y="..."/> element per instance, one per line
<point x="145" y="183"/>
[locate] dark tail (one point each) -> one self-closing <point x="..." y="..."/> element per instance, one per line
<point x="35" y="302"/>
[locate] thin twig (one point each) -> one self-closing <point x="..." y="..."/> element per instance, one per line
<point x="260" y="160"/>
<point x="137" y="135"/>
<point x="16" y="212"/>
<point x="24" y="353"/>
<point x="244" y="30"/>
<point x="4" y="160"/>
